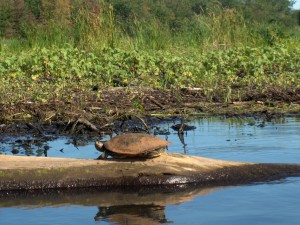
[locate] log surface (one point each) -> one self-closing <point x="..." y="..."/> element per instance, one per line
<point x="22" y="172"/>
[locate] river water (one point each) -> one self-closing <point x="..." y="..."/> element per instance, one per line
<point x="238" y="139"/>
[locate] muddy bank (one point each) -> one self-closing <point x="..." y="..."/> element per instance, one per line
<point x="23" y="173"/>
<point x="139" y="106"/>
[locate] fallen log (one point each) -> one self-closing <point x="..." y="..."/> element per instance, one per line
<point x="28" y="173"/>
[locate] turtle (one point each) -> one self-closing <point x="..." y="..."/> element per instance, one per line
<point x="129" y="145"/>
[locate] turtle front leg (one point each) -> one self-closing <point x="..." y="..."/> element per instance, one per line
<point x="104" y="155"/>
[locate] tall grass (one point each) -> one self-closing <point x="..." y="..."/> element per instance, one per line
<point x="95" y="26"/>
<point x="221" y="28"/>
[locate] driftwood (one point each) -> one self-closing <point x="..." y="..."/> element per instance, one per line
<point x="21" y="172"/>
<point x="85" y="122"/>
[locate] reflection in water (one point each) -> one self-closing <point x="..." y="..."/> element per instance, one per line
<point x="142" y="205"/>
<point x="133" y="214"/>
<point x="181" y="138"/>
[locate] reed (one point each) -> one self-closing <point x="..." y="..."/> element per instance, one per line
<point x="94" y="24"/>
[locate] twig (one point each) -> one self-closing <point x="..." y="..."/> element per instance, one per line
<point x="88" y="124"/>
<point x="144" y="123"/>
<point x="74" y="126"/>
<point x="152" y="99"/>
<point x="105" y="125"/>
<point x="49" y="117"/>
<point x="31" y="126"/>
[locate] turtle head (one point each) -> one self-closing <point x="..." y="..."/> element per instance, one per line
<point x="99" y="146"/>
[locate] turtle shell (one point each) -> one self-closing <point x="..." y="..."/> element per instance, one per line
<point x="134" y="143"/>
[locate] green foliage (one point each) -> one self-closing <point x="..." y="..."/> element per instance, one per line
<point x="146" y="24"/>
<point x="49" y="48"/>
<point x="43" y="74"/>
<point x="270" y="11"/>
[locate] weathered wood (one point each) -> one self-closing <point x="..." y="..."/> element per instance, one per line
<point x="21" y="172"/>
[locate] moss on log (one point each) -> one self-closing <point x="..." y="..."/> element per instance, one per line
<point x="20" y="172"/>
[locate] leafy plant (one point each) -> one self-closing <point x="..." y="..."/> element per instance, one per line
<point x="34" y="74"/>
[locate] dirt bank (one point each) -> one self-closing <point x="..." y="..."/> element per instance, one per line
<point x="142" y="106"/>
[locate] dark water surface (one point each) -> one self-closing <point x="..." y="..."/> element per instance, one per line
<point x="221" y="138"/>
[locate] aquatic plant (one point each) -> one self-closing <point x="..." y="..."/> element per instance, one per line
<point x="42" y="74"/>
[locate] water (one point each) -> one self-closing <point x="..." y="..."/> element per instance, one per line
<point x="244" y="140"/>
<point x="273" y="203"/>
<point x="276" y="202"/>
